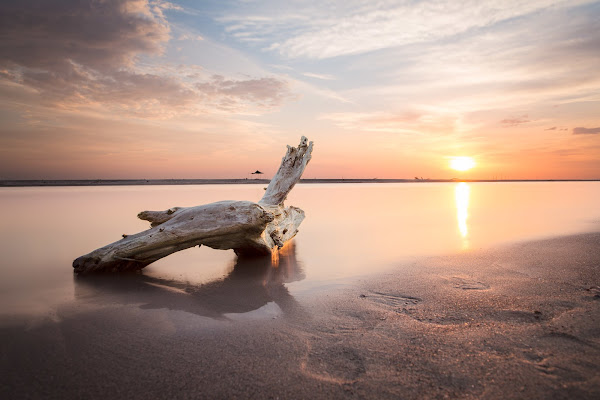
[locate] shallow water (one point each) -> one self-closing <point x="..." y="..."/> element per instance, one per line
<point x="350" y="231"/>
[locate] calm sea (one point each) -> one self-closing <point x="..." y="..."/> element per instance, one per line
<point x="350" y="231"/>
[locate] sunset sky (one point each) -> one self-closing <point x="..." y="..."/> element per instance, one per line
<point x="216" y="89"/>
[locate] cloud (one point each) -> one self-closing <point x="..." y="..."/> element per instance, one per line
<point x="586" y="131"/>
<point x="551" y="129"/>
<point x="101" y="35"/>
<point x="77" y="54"/>
<point x="411" y="123"/>
<point x="331" y="30"/>
<point x="500" y="68"/>
<point x="231" y="94"/>
<point x="319" y="76"/>
<point x="187" y="36"/>
<point x="73" y="52"/>
<point x="514" y="121"/>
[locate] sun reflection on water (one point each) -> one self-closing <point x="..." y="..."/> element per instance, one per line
<point x="461" y="193"/>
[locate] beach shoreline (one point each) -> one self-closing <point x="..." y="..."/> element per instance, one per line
<point x="517" y="321"/>
<point x="163" y="182"/>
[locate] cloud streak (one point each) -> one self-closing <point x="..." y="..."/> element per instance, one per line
<point x="230" y="94"/>
<point x="324" y="77"/>
<point x="409" y="123"/>
<point x="586" y="131"/>
<point x="515" y="121"/>
<point x="331" y="31"/>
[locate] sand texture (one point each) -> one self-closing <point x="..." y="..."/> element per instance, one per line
<point x="518" y="322"/>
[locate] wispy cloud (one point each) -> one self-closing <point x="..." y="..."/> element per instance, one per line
<point x="514" y="121"/>
<point x="586" y="131"/>
<point x="230" y="93"/>
<point x="411" y="122"/>
<point x="331" y="30"/>
<point x="187" y="36"/>
<point x="324" y="77"/>
<point x="503" y="67"/>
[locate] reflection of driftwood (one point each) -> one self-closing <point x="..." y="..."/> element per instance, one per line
<point x="248" y="228"/>
<point x="251" y="284"/>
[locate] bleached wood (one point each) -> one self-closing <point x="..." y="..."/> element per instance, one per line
<point x="246" y="227"/>
<point x="292" y="166"/>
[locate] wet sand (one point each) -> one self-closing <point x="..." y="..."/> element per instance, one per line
<point x="521" y="321"/>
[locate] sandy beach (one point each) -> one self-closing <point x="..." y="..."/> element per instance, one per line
<point x="520" y="321"/>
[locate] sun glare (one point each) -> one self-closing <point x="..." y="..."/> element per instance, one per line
<point x="462" y="163"/>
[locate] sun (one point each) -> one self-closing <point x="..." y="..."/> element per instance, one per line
<point x="462" y="163"/>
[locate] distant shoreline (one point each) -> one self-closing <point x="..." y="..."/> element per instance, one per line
<point x="140" y="182"/>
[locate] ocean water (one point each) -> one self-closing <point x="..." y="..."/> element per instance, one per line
<point x="351" y="232"/>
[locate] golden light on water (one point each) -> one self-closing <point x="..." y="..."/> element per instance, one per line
<point x="462" y="193"/>
<point x="462" y="163"/>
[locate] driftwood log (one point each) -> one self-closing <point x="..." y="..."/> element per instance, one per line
<point x="246" y="227"/>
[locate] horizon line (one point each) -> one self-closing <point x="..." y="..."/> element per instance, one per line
<point x="205" y="181"/>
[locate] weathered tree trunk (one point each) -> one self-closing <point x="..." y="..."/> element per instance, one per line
<point x="246" y="227"/>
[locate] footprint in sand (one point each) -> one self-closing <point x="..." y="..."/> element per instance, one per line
<point x="393" y="300"/>
<point x="534" y="356"/>
<point x="333" y="363"/>
<point x="468" y="284"/>
<point x="594" y="291"/>
<point x="538" y="360"/>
